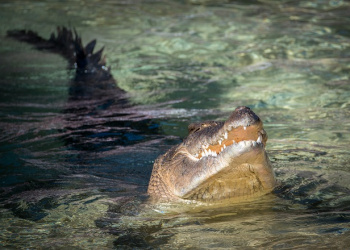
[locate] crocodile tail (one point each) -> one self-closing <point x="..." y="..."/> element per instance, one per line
<point x="68" y="44"/>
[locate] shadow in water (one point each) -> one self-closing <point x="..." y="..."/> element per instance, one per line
<point x="109" y="146"/>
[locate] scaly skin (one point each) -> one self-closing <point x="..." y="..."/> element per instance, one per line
<point x="217" y="161"/>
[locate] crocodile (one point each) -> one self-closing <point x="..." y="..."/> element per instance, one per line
<point x="217" y="161"/>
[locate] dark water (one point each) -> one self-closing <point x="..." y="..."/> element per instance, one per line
<point x="73" y="174"/>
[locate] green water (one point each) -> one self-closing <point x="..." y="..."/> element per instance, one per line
<point x="77" y="179"/>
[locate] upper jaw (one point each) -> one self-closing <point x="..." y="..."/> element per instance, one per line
<point x="233" y="149"/>
<point x="242" y="128"/>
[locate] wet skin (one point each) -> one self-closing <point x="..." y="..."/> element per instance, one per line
<point x="217" y="161"/>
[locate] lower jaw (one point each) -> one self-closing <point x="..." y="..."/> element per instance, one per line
<point x="230" y="185"/>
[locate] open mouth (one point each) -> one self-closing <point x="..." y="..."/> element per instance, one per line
<point x="218" y="160"/>
<point x="255" y="134"/>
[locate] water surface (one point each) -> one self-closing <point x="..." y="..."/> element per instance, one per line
<point x="74" y="174"/>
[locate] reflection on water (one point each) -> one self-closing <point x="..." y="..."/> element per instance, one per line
<point x="74" y="172"/>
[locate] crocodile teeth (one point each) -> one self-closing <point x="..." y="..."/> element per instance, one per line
<point x="223" y="140"/>
<point x="259" y="140"/>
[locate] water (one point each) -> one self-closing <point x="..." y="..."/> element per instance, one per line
<point x="74" y="173"/>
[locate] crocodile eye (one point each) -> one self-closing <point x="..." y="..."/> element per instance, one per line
<point x="195" y="127"/>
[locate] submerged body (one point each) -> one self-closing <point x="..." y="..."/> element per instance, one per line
<point x="217" y="161"/>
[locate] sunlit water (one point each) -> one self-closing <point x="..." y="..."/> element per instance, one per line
<point x="74" y="174"/>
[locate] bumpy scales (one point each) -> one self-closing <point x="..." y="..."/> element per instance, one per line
<point x="218" y="160"/>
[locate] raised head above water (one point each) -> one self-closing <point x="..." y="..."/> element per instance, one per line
<point x="217" y="161"/>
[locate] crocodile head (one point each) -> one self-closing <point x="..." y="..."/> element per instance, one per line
<point x="218" y="160"/>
